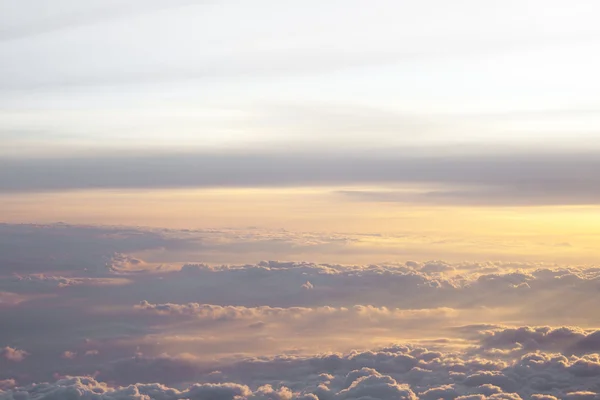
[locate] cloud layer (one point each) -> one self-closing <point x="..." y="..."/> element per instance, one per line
<point x="398" y="372"/>
<point x="494" y="179"/>
<point x="99" y="320"/>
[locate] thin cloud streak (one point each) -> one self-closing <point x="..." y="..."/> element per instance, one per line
<point x="267" y="65"/>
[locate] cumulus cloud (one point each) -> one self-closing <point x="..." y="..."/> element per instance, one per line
<point x="566" y="339"/>
<point x="123" y="263"/>
<point x="514" y="341"/>
<point x="401" y="371"/>
<point x="430" y="374"/>
<point x="6" y="384"/>
<point x="13" y="354"/>
<point x="88" y="388"/>
<point x="377" y="386"/>
<point x="307" y="285"/>
<point x="69" y="355"/>
<point x="507" y="288"/>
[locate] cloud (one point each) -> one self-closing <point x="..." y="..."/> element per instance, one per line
<point x="12" y="354"/>
<point x="377" y="386"/>
<point x="126" y="263"/>
<point x="269" y="330"/>
<point x="432" y="374"/>
<point x="139" y="368"/>
<point x="105" y="251"/>
<point x="276" y="328"/>
<point x="86" y="388"/>
<point x="69" y="355"/>
<point x="6" y="384"/>
<point x="498" y="179"/>
<point x="285" y="329"/>
<point x="396" y="372"/>
<point x="216" y="312"/>
<point x="567" y="340"/>
<point x="36" y="283"/>
<point x="32" y="248"/>
<point x="582" y="395"/>
<point x="511" y="287"/>
<point x="8" y="299"/>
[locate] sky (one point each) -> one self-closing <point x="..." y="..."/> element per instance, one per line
<point x="324" y="200"/>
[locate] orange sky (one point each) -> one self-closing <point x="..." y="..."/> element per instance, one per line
<point x="553" y="234"/>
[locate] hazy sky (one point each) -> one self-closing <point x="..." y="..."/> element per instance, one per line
<point x="190" y="74"/>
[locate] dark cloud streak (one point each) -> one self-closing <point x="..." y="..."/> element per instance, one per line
<point x="485" y="179"/>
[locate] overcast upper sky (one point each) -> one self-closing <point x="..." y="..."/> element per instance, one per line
<point x="182" y="74"/>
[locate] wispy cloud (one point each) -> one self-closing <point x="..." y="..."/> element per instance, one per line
<point x="72" y="15"/>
